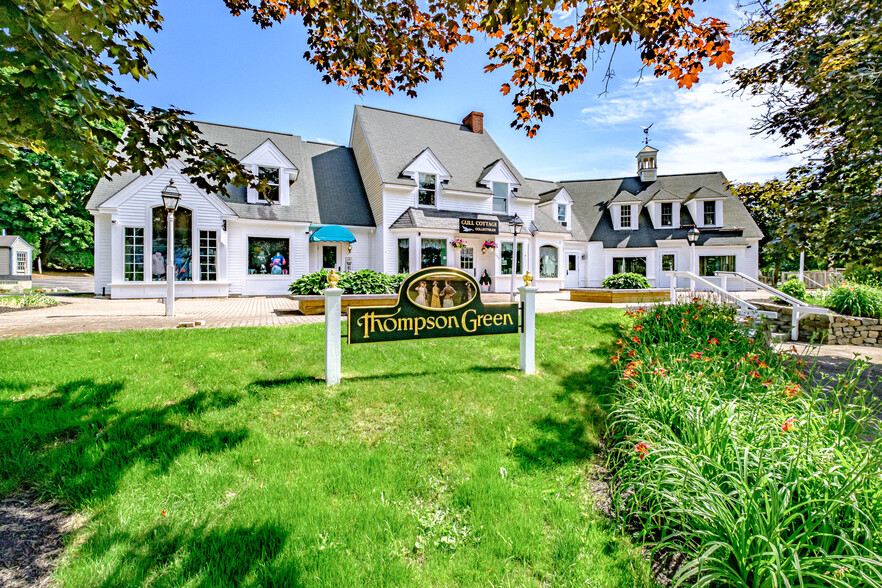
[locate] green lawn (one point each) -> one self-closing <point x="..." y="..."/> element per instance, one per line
<point x="218" y="457"/>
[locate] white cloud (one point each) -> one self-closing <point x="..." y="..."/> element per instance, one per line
<point x="701" y="129"/>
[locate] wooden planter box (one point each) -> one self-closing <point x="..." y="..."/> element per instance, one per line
<point x="316" y="304"/>
<point x="620" y="296"/>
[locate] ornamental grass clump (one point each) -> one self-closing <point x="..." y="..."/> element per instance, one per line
<point x="725" y="451"/>
<point x="855" y="300"/>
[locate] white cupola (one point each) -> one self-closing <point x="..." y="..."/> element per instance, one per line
<point x="647" y="164"/>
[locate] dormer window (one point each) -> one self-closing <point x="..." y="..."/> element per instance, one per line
<point x="710" y="213"/>
<point x="269" y="175"/>
<point x="625" y="218"/>
<point x="667" y="214"/>
<point x="562" y="214"/>
<point x="500" y="197"/>
<point x="427" y="189"/>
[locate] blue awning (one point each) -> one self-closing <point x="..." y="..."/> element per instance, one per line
<point x="333" y="233"/>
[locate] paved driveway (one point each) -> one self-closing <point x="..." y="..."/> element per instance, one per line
<point x="76" y="283"/>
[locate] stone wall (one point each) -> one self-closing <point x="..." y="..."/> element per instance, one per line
<point x="834" y="329"/>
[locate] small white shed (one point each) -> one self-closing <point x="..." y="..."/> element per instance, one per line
<point x="16" y="261"/>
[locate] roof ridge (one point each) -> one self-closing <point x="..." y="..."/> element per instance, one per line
<point x="629" y="177"/>
<point x="241" y="128"/>
<point x="447" y="122"/>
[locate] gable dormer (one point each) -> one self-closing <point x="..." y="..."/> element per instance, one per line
<point x="706" y="207"/>
<point x="429" y="174"/>
<point x="502" y="182"/>
<point x="647" y="164"/>
<point x="625" y="211"/>
<point x="559" y="205"/>
<point x="664" y="209"/>
<point x="268" y="163"/>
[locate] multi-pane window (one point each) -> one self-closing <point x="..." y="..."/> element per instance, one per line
<point x="561" y="213"/>
<point x="629" y="265"/>
<point x="500" y="197"/>
<point x="506" y="257"/>
<point x="667" y="214"/>
<point x="133" y="252"/>
<point x="547" y="261"/>
<point x="668" y="263"/>
<point x="710" y="213"/>
<point x="208" y="255"/>
<point x="427" y="186"/>
<point x="22" y="262"/>
<point x="708" y="265"/>
<point x="625" y="218"/>
<point x="403" y="256"/>
<point x="270" y="175"/>
<point x="467" y="258"/>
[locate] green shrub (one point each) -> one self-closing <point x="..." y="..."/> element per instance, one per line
<point x="626" y="282"/>
<point x="855" y="300"/>
<point x="864" y="275"/>
<point x="72" y="260"/>
<point x="724" y="450"/>
<point x="794" y="288"/>
<point x="360" y="282"/>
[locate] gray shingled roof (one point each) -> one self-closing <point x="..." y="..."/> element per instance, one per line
<point x="328" y="191"/>
<point x="591" y="219"/>
<point x="430" y="218"/>
<point x="396" y="138"/>
<point x="9" y="240"/>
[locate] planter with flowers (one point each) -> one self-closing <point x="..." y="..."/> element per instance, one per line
<point x="458" y="244"/>
<point x="489" y="245"/>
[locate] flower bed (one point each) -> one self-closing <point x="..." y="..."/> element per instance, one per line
<point x="724" y="451"/>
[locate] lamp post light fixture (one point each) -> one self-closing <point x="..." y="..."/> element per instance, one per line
<point x="516" y="224"/>
<point x="170" y="199"/>
<point x="692" y="237"/>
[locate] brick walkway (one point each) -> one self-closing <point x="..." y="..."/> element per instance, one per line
<point x="85" y="314"/>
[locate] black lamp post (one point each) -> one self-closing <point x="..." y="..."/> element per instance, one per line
<point x="692" y="237"/>
<point x="516" y="224"/>
<point x="170" y="199"/>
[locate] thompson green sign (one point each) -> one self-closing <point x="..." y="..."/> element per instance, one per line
<point x="433" y="302"/>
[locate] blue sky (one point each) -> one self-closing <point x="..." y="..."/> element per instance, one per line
<point x="227" y="70"/>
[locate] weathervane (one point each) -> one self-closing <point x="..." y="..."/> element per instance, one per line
<point x="646" y="132"/>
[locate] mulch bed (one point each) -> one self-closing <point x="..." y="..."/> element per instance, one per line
<point x="31" y="540"/>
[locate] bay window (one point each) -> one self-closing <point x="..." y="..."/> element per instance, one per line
<point x="403" y="256"/>
<point x="434" y="252"/>
<point x="133" y="254"/>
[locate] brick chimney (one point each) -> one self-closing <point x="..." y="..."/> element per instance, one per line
<point x="474" y="121"/>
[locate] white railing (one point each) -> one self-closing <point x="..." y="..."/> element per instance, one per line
<point x="799" y="308"/>
<point x="746" y="308"/>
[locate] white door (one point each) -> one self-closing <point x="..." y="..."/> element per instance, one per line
<point x="572" y="279"/>
<point x="667" y="261"/>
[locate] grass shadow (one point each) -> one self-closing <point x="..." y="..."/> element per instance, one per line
<point x="75" y="443"/>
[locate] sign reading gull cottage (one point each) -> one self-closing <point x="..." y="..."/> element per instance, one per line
<point x="479" y="225"/>
<point x="432" y="303"/>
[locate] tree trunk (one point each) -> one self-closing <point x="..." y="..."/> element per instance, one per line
<point x="776" y="273"/>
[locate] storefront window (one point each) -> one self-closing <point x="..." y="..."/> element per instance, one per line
<point x="505" y="254"/>
<point x="403" y="256"/>
<point x="134" y="254"/>
<point x="267" y="256"/>
<point x="547" y="261"/>
<point x="629" y="265"/>
<point x="183" y="255"/>
<point x="434" y="252"/>
<point x="709" y="265"/>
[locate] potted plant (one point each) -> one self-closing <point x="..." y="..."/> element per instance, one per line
<point x="488" y="245"/>
<point x="458" y="244"/>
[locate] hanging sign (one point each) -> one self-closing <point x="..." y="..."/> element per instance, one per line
<point x="479" y="226"/>
<point x="433" y="302"/>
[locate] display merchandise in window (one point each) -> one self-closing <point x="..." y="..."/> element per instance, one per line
<point x="268" y="256"/>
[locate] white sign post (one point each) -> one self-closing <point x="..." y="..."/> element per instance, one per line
<point x="333" y="297"/>
<point x="528" y="329"/>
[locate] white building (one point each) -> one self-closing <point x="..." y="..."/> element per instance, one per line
<point x="409" y="192"/>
